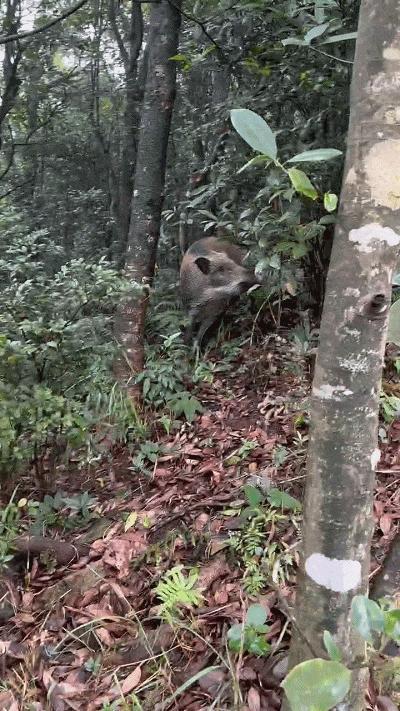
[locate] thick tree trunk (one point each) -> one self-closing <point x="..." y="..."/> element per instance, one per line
<point x="343" y="450"/>
<point x="149" y="178"/>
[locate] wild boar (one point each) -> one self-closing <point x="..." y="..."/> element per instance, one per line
<point x="212" y="275"/>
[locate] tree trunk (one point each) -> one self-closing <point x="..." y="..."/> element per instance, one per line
<point x="343" y="449"/>
<point x="149" y="178"/>
<point x="130" y="47"/>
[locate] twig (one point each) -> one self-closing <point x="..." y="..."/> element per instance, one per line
<point x="21" y="35"/>
<point x="201" y="24"/>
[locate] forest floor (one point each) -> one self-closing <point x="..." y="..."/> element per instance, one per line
<point x="93" y="633"/>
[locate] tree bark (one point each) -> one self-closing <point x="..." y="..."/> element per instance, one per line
<point x="11" y="61"/>
<point x="343" y="448"/>
<point x="149" y="179"/>
<point x="130" y="48"/>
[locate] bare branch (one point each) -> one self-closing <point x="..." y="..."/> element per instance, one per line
<point x="220" y="51"/>
<point x="21" y="35"/>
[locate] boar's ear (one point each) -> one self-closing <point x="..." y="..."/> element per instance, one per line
<point x="203" y="264"/>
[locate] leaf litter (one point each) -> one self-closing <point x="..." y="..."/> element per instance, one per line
<point x="87" y="634"/>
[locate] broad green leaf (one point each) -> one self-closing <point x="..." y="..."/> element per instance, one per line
<point x="253" y="495"/>
<point x="396" y="280"/>
<point x="331" y="647"/>
<point x="302" y="183"/>
<point x="315" y="32"/>
<point x="330" y="202"/>
<point x="366" y="616"/>
<point x="259" y="646"/>
<point x="235" y="637"/>
<point x="256" y="615"/>
<point x="178" y="58"/>
<point x="340" y="38"/>
<point x="293" y="40"/>
<point x="317" y="685"/>
<point x="316" y="154"/>
<point x="327" y="220"/>
<point x="393" y="334"/>
<point x="282" y="500"/>
<point x="257" y="160"/>
<point x="255" y="131"/>
<point x="235" y="632"/>
<point x="392" y="625"/>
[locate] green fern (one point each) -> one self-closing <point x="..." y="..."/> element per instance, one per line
<point x="178" y="590"/>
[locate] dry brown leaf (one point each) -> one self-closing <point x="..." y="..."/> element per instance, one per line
<point x="385" y="523"/>
<point x="254" y="699"/>
<point x="8" y="702"/>
<point x="210" y="683"/>
<point x="131" y="681"/>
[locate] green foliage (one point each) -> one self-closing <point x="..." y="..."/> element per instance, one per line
<point x="393" y="334"/>
<point x="255" y="131"/>
<point x="319" y="685"/>
<point x="302" y="183"/>
<point x="177" y="590"/>
<point x="280" y="455"/>
<point x="250" y="636"/>
<point x="9" y="528"/>
<point x="263" y="561"/>
<point x="389" y="406"/>
<point x="316" y="685"/>
<point x="331" y="647"/>
<point x="56" y="351"/>
<point x="148" y="452"/>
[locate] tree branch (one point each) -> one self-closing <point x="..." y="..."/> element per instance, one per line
<point x="21" y="35"/>
<point x="220" y="51"/>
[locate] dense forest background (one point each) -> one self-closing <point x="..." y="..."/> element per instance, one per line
<point x="73" y="85"/>
<point x="70" y="116"/>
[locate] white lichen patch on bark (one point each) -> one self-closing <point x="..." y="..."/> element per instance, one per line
<point x="331" y="392"/>
<point x="351" y="177"/>
<point x="351" y="292"/>
<point x="353" y="332"/>
<point x="357" y="364"/>
<point x="383" y="173"/>
<point x="333" y="574"/>
<point x="392" y="116"/>
<point x="375" y="457"/>
<point x="368" y="237"/>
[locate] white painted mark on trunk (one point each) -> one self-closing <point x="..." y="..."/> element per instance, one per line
<point x="368" y="237"/>
<point x="375" y="457"/>
<point x="331" y="392"/>
<point x="333" y="574"/>
<point x="382" y="167"/>
<point x="392" y="54"/>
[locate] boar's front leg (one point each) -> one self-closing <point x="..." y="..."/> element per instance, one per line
<point x="204" y="326"/>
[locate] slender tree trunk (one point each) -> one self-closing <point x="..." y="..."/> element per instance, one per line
<point x="343" y="449"/>
<point x="149" y="178"/>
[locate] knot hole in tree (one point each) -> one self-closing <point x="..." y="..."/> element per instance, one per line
<point x="377" y="306"/>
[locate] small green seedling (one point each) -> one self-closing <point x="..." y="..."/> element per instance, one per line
<point x="250" y="636"/>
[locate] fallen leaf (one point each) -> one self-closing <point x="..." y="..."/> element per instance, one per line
<point x="210" y="683"/>
<point x="131" y="681"/>
<point x="7" y="701"/>
<point x="253" y="699"/>
<point x="385" y="523"/>
<point x="131" y="520"/>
